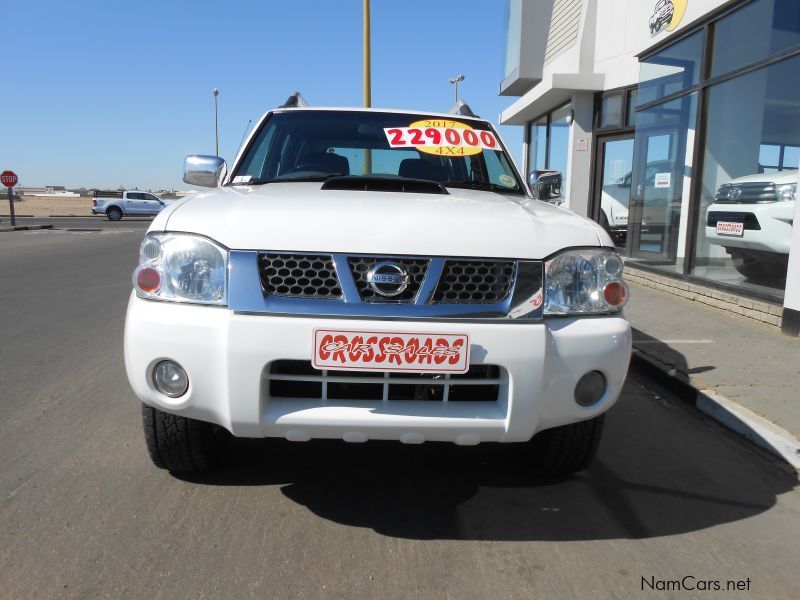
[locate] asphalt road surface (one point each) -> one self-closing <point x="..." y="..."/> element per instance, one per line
<point x="85" y="514"/>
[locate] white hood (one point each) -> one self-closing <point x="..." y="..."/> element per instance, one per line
<point x="302" y="217"/>
<point x="779" y="178"/>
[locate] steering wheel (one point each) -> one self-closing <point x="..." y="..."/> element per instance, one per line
<point x="309" y="166"/>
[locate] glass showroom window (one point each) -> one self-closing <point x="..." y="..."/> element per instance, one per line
<point x="611" y="112"/>
<point x="671" y="70"/>
<point x="758" y="29"/>
<point x="549" y="143"/>
<point x="537" y="153"/>
<point x="750" y="178"/>
<point x="513" y="36"/>
<point x="661" y="180"/>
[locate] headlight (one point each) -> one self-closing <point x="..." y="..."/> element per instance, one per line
<point x="584" y="282"/>
<point x="182" y="268"/>
<point x="786" y="192"/>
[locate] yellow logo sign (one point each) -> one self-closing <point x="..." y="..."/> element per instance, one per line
<point x="667" y="14"/>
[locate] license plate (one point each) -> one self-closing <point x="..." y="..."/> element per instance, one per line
<point x="390" y="351"/>
<point x="729" y="228"/>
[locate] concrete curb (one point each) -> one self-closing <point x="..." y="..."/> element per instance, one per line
<point x="739" y="419"/>
<point x="25" y="228"/>
<point x="54" y="216"/>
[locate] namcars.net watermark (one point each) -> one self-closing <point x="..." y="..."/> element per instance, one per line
<point x="690" y="583"/>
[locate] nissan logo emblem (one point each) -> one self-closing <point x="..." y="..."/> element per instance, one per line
<point x="388" y="279"/>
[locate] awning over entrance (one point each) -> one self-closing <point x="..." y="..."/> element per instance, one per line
<point x="555" y="89"/>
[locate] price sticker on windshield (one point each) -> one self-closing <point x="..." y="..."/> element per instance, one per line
<point x="443" y="137"/>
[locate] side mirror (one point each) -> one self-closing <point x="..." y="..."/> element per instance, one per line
<point x="206" y="171"/>
<point x="546" y="185"/>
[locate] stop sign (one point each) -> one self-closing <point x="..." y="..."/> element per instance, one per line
<point x="8" y="178"/>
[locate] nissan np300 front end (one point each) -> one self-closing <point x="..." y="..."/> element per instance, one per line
<point x="374" y="275"/>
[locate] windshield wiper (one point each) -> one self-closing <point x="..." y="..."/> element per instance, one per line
<point x="477" y="185"/>
<point x="324" y="177"/>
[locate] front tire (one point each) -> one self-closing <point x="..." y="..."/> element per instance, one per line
<point x="113" y="214"/>
<point x="179" y="444"/>
<point x="564" y="450"/>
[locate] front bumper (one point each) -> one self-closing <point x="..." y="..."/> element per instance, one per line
<point x="228" y="355"/>
<point x="774" y="220"/>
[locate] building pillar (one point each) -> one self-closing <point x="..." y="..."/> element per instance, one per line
<point x="579" y="166"/>
<point x="790" y="324"/>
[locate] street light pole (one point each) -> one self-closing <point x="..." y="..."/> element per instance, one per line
<point x="216" y="129"/>
<point x="367" y="80"/>
<point x="456" y="80"/>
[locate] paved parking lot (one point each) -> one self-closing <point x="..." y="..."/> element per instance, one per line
<point x="85" y="514"/>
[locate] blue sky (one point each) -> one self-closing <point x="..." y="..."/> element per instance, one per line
<point x="117" y="93"/>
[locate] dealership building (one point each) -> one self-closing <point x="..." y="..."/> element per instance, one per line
<point x="676" y="125"/>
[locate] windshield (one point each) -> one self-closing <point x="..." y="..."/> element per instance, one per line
<point x="319" y="144"/>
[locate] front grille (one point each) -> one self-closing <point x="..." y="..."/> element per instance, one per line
<point x="361" y="265"/>
<point x="299" y="275"/>
<point x="749" y="219"/>
<point x="297" y="379"/>
<point x="746" y="193"/>
<point x="474" y="282"/>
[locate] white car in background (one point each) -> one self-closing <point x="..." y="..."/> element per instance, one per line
<point x="656" y="210"/>
<point x="114" y="205"/>
<point x="752" y="219"/>
<point x="364" y="274"/>
<point x="614" y="201"/>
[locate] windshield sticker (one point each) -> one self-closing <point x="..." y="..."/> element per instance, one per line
<point x="242" y="178"/>
<point x="442" y="137"/>
<point x="507" y="180"/>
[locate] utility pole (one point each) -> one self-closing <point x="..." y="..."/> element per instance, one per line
<point x="367" y="81"/>
<point x="367" y="65"/>
<point x="216" y="129"/>
<point x="456" y="80"/>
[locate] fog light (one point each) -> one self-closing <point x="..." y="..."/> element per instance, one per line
<point x="170" y="379"/>
<point x="590" y="388"/>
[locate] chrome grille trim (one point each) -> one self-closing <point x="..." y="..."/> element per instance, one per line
<point x="746" y="193"/>
<point x="247" y="296"/>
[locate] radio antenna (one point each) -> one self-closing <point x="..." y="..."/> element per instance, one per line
<point x="246" y="127"/>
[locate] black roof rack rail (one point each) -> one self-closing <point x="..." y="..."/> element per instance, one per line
<point x="294" y="101"/>
<point x="463" y="109"/>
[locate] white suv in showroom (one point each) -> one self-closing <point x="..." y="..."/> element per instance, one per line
<point x="369" y="274"/>
<point x="752" y="219"/>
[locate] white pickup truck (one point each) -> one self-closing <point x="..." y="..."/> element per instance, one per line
<point x="364" y="274"/>
<point x="752" y="218"/>
<point x="116" y="204"/>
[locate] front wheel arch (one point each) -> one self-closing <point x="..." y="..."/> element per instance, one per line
<point x="113" y="213"/>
